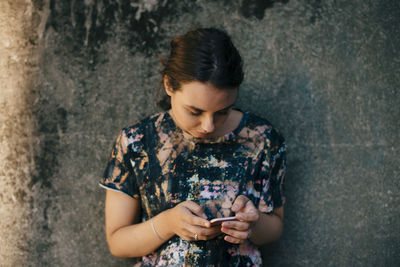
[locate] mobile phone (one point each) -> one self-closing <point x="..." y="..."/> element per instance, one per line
<point x="218" y="221"/>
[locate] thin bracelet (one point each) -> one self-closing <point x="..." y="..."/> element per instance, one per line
<point x="154" y="230"/>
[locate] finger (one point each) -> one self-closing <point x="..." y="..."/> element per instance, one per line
<point x="186" y="235"/>
<point x="233" y="240"/>
<point x="189" y="234"/>
<point x="215" y="230"/>
<point x="263" y="207"/>
<point x="213" y="236"/>
<point x="202" y="233"/>
<point x="198" y="221"/>
<point x="239" y="203"/>
<point x="195" y="208"/>
<point x="237" y="225"/>
<point x="236" y="233"/>
<point x="248" y="216"/>
<point x="192" y="218"/>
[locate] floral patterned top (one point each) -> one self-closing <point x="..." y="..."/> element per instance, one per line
<point x="154" y="161"/>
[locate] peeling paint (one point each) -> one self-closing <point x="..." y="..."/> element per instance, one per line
<point x="257" y="8"/>
<point x="144" y="6"/>
<point x="93" y="22"/>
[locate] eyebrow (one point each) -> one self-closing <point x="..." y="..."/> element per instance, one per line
<point x="200" y="110"/>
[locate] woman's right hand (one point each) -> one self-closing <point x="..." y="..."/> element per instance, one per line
<point x="188" y="219"/>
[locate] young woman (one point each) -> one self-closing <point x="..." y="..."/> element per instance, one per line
<point x="173" y="172"/>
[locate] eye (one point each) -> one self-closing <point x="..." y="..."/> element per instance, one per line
<point x="195" y="113"/>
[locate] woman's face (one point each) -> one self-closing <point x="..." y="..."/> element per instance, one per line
<point x="201" y="109"/>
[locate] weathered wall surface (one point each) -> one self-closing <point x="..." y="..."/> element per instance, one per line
<point x="18" y="65"/>
<point x="326" y="73"/>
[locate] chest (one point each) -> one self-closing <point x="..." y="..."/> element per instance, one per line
<point x="212" y="175"/>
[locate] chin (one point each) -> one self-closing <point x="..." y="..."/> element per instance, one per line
<point x="201" y="135"/>
<point x="196" y="134"/>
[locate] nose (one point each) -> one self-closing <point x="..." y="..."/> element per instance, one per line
<point x="208" y="124"/>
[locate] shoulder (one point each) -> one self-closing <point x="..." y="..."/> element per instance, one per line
<point x="143" y="125"/>
<point x="135" y="133"/>
<point x="260" y="128"/>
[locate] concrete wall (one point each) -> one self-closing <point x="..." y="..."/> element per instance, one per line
<point x="326" y="73"/>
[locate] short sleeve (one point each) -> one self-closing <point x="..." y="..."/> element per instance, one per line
<point x="273" y="173"/>
<point x="119" y="175"/>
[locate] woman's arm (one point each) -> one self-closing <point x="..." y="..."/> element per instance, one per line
<point x="268" y="228"/>
<point x="128" y="237"/>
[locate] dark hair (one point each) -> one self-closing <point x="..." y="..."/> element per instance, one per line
<point x="204" y="55"/>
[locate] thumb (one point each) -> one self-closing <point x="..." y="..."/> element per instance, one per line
<point x="239" y="203"/>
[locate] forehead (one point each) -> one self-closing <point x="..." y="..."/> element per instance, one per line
<point x="205" y="96"/>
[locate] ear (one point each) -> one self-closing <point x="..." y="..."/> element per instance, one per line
<point x="167" y="87"/>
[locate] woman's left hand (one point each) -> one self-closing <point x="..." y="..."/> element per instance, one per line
<point x="247" y="215"/>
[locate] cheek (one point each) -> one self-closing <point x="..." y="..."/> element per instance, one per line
<point x="219" y="120"/>
<point x="187" y="121"/>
